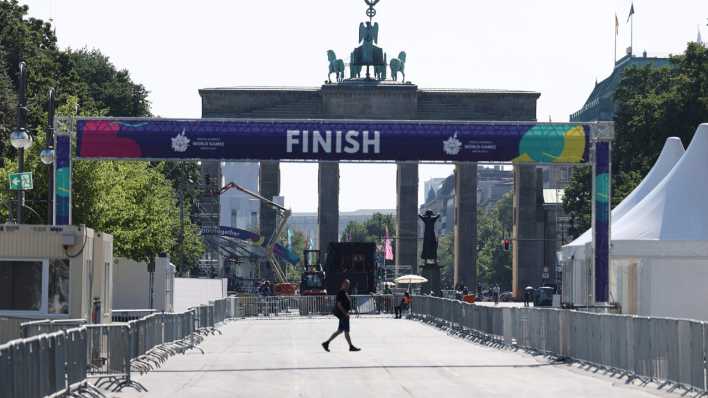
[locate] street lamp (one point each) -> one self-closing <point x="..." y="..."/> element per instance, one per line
<point x="19" y="139"/>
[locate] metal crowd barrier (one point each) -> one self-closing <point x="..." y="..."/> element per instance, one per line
<point x="130" y="315"/>
<point x="297" y="306"/>
<point x="36" y="328"/>
<point x="669" y="352"/>
<point x="61" y="361"/>
<point x="51" y="364"/>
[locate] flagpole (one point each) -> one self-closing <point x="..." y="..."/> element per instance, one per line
<point x="631" y="36"/>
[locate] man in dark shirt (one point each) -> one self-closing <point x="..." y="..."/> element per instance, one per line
<point x="341" y="310"/>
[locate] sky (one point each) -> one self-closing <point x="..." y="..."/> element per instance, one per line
<point x="556" y="47"/>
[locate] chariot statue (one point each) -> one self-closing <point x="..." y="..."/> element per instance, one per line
<point x="368" y="54"/>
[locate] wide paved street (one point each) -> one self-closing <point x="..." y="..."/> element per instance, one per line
<point x="400" y="358"/>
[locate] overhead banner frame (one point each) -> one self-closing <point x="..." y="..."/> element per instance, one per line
<point x="347" y="140"/>
<point x="332" y="140"/>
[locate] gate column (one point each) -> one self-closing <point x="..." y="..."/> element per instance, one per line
<point x="466" y="224"/>
<point x="328" y="205"/>
<point x="407" y="215"/>
<point x="268" y="187"/>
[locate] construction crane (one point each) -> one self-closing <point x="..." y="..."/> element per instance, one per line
<point x="273" y="239"/>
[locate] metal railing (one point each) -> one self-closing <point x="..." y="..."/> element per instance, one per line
<point x="130" y="315"/>
<point x="669" y="352"/>
<point x="36" y="328"/>
<point x="57" y="358"/>
<point x="297" y="306"/>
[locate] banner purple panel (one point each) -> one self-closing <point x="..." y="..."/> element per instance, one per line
<point x="237" y="139"/>
<point x="601" y="227"/>
<point x="62" y="180"/>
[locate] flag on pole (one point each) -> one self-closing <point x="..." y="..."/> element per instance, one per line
<point x="388" y="250"/>
<point x="699" y="39"/>
<point x="631" y="12"/>
<point x="617" y="25"/>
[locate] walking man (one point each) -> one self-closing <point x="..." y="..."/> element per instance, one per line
<point x="341" y="311"/>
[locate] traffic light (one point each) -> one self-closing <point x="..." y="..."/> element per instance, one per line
<point x="506" y="245"/>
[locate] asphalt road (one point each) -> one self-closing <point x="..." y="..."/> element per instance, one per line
<point x="399" y="358"/>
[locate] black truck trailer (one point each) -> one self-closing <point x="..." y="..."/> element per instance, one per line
<point x="355" y="261"/>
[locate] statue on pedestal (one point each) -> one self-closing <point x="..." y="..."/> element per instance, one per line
<point x="430" y="241"/>
<point x="431" y="269"/>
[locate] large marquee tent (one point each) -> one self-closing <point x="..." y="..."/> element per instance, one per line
<point x="576" y="256"/>
<point x="659" y="264"/>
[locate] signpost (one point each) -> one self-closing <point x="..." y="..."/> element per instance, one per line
<point x="21" y="181"/>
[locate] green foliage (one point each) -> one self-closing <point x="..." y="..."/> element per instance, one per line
<point x="446" y="260"/>
<point x="373" y="230"/>
<point x="652" y="105"/>
<point x="298" y="240"/>
<point x="493" y="263"/>
<point x="134" y="201"/>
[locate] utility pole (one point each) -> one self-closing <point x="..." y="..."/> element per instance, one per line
<point x="47" y="157"/>
<point x="20" y="139"/>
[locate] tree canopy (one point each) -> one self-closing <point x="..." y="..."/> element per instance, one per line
<point x="136" y="202"/>
<point x="652" y="104"/>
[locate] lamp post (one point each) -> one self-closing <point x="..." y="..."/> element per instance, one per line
<point x="47" y="156"/>
<point x="19" y="138"/>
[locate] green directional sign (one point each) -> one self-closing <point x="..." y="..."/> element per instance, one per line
<point x="21" y="181"/>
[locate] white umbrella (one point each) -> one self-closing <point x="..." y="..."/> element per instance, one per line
<point x="410" y="279"/>
<point x="389" y="284"/>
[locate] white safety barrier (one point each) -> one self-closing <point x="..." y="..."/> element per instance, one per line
<point x="670" y="352"/>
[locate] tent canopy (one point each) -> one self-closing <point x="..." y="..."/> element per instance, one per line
<point x="676" y="209"/>
<point x="668" y="158"/>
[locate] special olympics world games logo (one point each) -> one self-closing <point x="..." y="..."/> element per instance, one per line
<point x="452" y="145"/>
<point x="180" y="143"/>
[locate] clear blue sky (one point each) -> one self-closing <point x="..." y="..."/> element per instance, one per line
<point x="556" y="47"/>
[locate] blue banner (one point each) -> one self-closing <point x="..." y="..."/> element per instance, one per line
<point x="243" y="234"/>
<point x="62" y="180"/>
<point x="601" y="227"/>
<point x="238" y="139"/>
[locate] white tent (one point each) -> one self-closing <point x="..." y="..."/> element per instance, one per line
<point x="659" y="264"/>
<point x="676" y="209"/>
<point x="577" y="280"/>
<point x="670" y="155"/>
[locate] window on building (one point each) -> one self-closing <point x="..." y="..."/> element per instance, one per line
<point x="21" y="285"/>
<point x="234" y="218"/>
<point x="254" y="219"/>
<point x="58" y="300"/>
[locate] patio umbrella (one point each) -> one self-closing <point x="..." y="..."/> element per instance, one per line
<point x="410" y="279"/>
<point x="389" y="284"/>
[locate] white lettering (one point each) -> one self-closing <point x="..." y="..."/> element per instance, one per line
<point x="292" y="139"/>
<point x="305" y="139"/>
<point x="352" y="143"/>
<point x="338" y="140"/>
<point x="321" y="142"/>
<point x="375" y="142"/>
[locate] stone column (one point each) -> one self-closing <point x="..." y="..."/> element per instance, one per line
<point x="407" y="215"/>
<point x="466" y="225"/>
<point x="268" y="187"/>
<point x="528" y="232"/>
<point x="328" y="206"/>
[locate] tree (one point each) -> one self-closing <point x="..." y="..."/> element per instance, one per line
<point x="652" y="104"/>
<point x="493" y="263"/>
<point x="372" y="230"/>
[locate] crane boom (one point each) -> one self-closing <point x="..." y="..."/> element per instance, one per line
<point x="268" y="246"/>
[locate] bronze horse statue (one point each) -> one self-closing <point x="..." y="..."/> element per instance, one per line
<point x="399" y="65"/>
<point x="336" y="66"/>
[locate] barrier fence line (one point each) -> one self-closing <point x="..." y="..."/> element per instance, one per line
<point x="60" y="357"/>
<point x="669" y="352"/>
